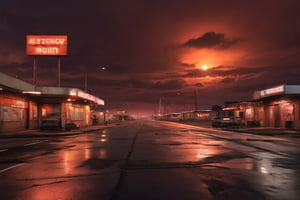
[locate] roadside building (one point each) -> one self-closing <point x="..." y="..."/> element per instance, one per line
<point x="276" y="107"/>
<point x="101" y="116"/>
<point x="116" y="115"/>
<point x="188" y="116"/>
<point x="280" y="106"/>
<point x="26" y="106"/>
<point x="246" y="113"/>
<point x="203" y="115"/>
<point x="172" y="117"/>
<point x="197" y="115"/>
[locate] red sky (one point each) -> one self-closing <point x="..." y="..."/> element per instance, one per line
<point x="156" y="49"/>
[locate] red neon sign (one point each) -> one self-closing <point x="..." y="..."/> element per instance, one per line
<point x="50" y="45"/>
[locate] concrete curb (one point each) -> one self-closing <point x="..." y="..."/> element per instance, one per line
<point x="265" y="132"/>
<point x="49" y="134"/>
<point x="282" y="133"/>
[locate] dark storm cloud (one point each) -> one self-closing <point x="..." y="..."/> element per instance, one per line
<point x="227" y="80"/>
<point x="169" y="85"/>
<point x="133" y="83"/>
<point x="195" y="73"/>
<point x="138" y="84"/>
<point x="199" y="85"/>
<point x="211" y="40"/>
<point x="19" y="70"/>
<point x="140" y="44"/>
<point x="267" y="79"/>
<point x="109" y="33"/>
<point x="226" y="71"/>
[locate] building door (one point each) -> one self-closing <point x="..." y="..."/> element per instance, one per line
<point x="1" y="119"/>
<point x="277" y="115"/>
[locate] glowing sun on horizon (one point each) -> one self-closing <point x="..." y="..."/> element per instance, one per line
<point x="204" y="67"/>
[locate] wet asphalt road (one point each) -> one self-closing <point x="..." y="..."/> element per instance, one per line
<point x="150" y="160"/>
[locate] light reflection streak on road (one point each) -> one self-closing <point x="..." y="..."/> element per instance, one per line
<point x="103" y="140"/>
<point x="103" y="137"/>
<point x="3" y="150"/>
<point x="277" y="168"/>
<point x="11" y="167"/>
<point x="66" y="162"/>
<point x="102" y="153"/>
<point x="203" y="153"/>
<point x="83" y="152"/>
<point x="224" y="134"/>
<point x="33" y="143"/>
<point x="87" y="153"/>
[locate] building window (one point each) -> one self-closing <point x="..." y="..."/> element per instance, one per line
<point x="12" y="114"/>
<point x="241" y="115"/>
<point x="77" y="113"/>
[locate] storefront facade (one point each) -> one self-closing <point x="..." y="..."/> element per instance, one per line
<point x="276" y="107"/>
<point x="26" y="106"/>
<point x="199" y="115"/>
<point x="13" y="112"/>
<point x="280" y="105"/>
<point x="281" y="112"/>
<point x="250" y="113"/>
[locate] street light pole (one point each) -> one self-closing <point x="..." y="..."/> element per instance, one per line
<point x="58" y="72"/>
<point x="85" y="83"/>
<point x="34" y="70"/>
<point x="86" y="78"/>
<point x="195" y="99"/>
<point x="181" y="94"/>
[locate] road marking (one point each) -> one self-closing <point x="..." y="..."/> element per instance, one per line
<point x="11" y="167"/>
<point x="2" y="150"/>
<point x="33" y="143"/>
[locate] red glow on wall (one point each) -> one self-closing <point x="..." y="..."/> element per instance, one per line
<point x="50" y="45"/>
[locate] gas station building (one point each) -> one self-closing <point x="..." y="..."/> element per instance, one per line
<point x="275" y="107"/>
<point x="27" y="106"/>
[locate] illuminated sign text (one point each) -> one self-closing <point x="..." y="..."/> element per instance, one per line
<point x="46" y="44"/>
<point x="272" y="91"/>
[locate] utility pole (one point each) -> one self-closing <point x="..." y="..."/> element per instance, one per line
<point x="159" y="108"/>
<point x="195" y="98"/>
<point x="85" y="83"/>
<point x="34" y="70"/>
<point x="86" y="78"/>
<point x="165" y="108"/>
<point x="58" y="72"/>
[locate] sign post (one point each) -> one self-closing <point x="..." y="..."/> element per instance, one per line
<point x="34" y="70"/>
<point x="58" y="72"/>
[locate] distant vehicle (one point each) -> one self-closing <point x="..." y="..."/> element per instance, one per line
<point x="172" y="117"/>
<point x="226" y="118"/>
<point x="50" y="122"/>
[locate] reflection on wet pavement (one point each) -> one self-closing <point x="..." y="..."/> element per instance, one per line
<point x="97" y="163"/>
<point x="239" y="163"/>
<point x="218" y="168"/>
<point x="102" y="153"/>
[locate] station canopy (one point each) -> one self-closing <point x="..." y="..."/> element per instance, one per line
<point x="13" y="84"/>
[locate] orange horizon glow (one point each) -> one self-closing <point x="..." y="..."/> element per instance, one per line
<point x="212" y="58"/>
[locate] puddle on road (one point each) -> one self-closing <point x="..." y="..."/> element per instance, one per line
<point x="287" y="163"/>
<point x="71" y="146"/>
<point x="266" y="164"/>
<point x="87" y="141"/>
<point x="227" y="156"/>
<point x="215" y="143"/>
<point x="167" y="134"/>
<point x="120" y="138"/>
<point x="239" y="163"/>
<point x="95" y="163"/>
<point x="178" y="143"/>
